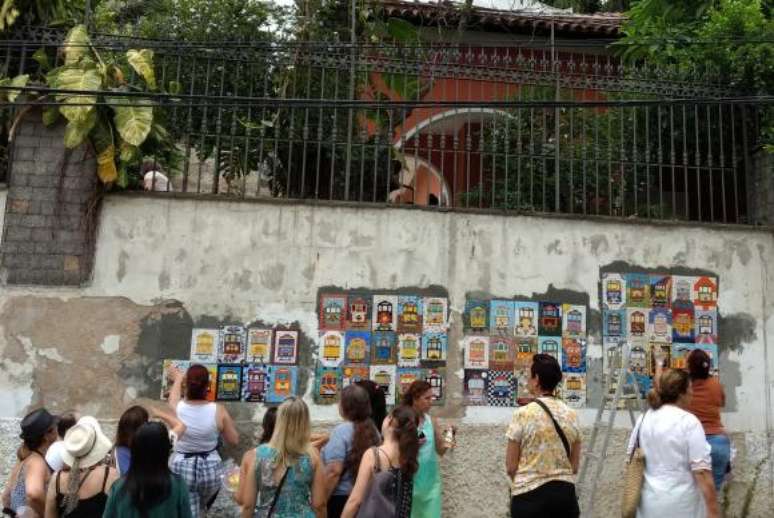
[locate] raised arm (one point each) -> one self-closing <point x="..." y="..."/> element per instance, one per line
<point x="362" y="483"/>
<point x="168" y="417"/>
<point x="226" y="426"/>
<point x="176" y="392"/>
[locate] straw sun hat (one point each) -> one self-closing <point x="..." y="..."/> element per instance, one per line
<point x="85" y="445"/>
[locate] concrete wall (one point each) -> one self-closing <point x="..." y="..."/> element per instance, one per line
<point x="166" y="264"/>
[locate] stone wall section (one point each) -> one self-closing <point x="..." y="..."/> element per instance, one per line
<point x="50" y="212"/>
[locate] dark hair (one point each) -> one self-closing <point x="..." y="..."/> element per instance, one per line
<point x="672" y="384"/>
<point x="378" y="401"/>
<point x="406" y="423"/>
<point x="65" y="422"/>
<point x="197" y="382"/>
<point x="132" y="419"/>
<point x="267" y="425"/>
<point x="699" y="364"/>
<point x="149" y="165"/>
<point x="356" y="407"/>
<point x="547" y="370"/>
<point x="149" y="481"/>
<point x="414" y="391"/>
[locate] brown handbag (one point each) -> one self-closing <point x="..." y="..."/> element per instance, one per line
<point x="634" y="474"/>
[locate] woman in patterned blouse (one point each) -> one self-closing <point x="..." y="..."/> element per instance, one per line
<point x="540" y="462"/>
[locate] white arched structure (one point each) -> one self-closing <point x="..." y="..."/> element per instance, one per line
<point x="448" y="122"/>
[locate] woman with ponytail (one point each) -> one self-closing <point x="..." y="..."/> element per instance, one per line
<point x="427" y="482"/>
<point x="708" y="400"/>
<point x="347" y="444"/>
<point x="678" y="467"/>
<point x="384" y="481"/>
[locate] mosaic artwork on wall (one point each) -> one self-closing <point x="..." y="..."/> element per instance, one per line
<point x="670" y="314"/>
<point x="390" y="339"/>
<point x="502" y="336"/>
<point x="256" y="365"/>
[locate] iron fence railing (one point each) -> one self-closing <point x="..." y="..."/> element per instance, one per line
<point x="528" y="129"/>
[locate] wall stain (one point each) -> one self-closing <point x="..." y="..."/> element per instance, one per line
<point x="554" y="247"/>
<point x="598" y="244"/>
<point x="735" y="330"/>
<point x="123" y="257"/>
<point x="242" y="281"/>
<point x="273" y="277"/>
<point x="164" y="280"/>
<point x="181" y="255"/>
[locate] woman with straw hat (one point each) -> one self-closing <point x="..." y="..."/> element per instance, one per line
<point x="80" y="490"/>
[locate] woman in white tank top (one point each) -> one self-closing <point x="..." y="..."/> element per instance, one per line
<point x="196" y="459"/>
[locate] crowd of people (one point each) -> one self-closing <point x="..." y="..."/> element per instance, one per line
<point x="164" y="461"/>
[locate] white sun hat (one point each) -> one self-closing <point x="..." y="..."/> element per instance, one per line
<point x="85" y="445"/>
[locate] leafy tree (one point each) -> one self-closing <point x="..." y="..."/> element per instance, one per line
<point x="731" y="37"/>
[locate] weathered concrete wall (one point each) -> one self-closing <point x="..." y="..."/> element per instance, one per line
<point x="164" y="265"/>
<point x="3" y="197"/>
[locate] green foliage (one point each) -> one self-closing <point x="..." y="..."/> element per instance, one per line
<point x="191" y="20"/>
<point x="54" y="13"/>
<point x="109" y="122"/>
<point x="733" y="38"/>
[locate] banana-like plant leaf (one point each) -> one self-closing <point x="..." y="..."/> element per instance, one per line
<point x="133" y="120"/>
<point x="106" y="165"/>
<point x="76" y="132"/>
<point x="128" y="152"/>
<point x="21" y="82"/>
<point x="76" y="44"/>
<point x="76" y="108"/>
<point x="123" y="177"/>
<point x="41" y="58"/>
<point x="50" y="115"/>
<point x="142" y="63"/>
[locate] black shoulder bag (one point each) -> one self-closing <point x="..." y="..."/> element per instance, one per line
<point x="559" y="431"/>
<point x="277" y="493"/>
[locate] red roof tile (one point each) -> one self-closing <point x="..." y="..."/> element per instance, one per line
<point x="447" y="13"/>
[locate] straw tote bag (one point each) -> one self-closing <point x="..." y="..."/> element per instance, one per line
<point x="634" y="475"/>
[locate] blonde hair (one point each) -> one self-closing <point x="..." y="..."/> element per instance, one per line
<point x="292" y="432"/>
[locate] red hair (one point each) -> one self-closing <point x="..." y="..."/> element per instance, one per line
<point x="197" y="382"/>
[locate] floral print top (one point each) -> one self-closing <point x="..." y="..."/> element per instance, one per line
<point x="543" y="457"/>
<point x="295" y="499"/>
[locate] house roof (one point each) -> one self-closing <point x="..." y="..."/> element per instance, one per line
<point x="508" y="20"/>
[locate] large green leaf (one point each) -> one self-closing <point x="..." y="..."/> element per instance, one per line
<point x="41" y="58"/>
<point x="19" y="81"/>
<point x="142" y="63"/>
<point x="76" y="132"/>
<point x="76" y="44"/>
<point x="133" y="120"/>
<point x="50" y="115"/>
<point x="76" y="108"/>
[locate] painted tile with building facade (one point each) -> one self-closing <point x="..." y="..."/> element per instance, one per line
<point x="497" y="356"/>
<point x="658" y="315"/>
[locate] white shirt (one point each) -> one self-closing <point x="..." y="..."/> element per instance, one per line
<point x="201" y="428"/>
<point x="674" y="445"/>
<point x="54" y="456"/>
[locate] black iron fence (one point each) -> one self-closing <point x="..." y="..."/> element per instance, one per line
<point x="530" y="129"/>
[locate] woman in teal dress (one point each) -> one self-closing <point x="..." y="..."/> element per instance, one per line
<point x="288" y="455"/>
<point x="426" y="502"/>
